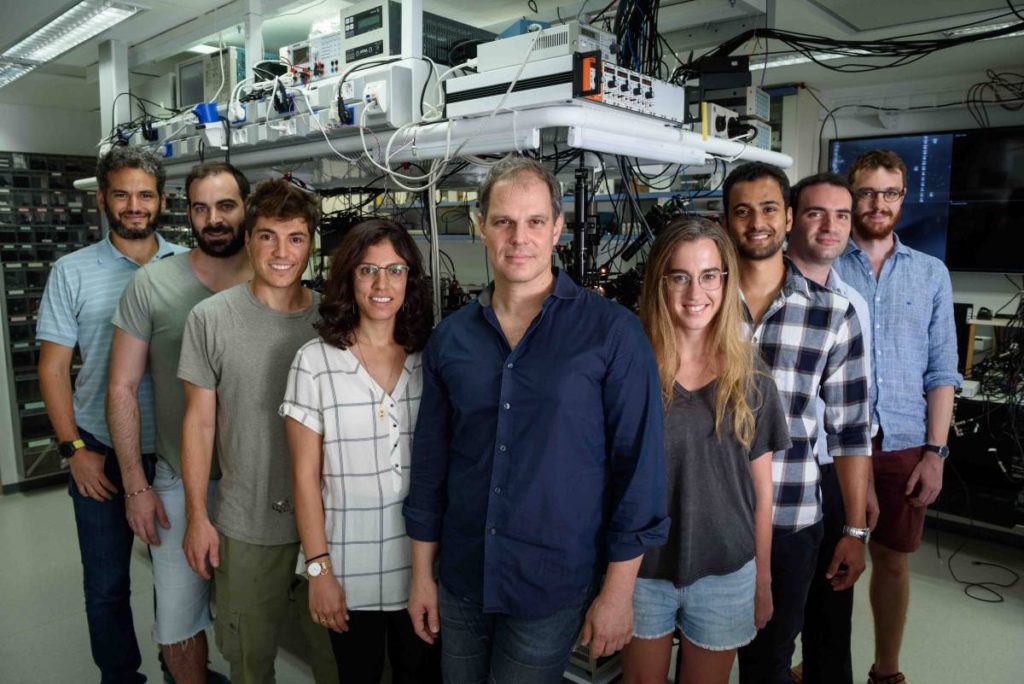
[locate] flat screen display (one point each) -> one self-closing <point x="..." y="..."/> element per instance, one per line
<point x="965" y="194"/>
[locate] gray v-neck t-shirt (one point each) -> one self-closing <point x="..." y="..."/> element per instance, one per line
<point x="243" y="349"/>
<point x="154" y="307"/>
<point x="711" y="495"/>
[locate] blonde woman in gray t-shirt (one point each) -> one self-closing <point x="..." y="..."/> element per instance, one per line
<point x="350" y="409"/>
<point x="723" y="420"/>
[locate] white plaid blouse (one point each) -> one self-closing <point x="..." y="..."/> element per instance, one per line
<point x="367" y="440"/>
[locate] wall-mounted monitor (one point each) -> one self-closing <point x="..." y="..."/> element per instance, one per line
<point x="965" y="194"/>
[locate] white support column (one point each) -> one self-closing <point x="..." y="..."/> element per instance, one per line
<point x="412" y="28"/>
<point x="113" y="77"/>
<point x="253" y="35"/>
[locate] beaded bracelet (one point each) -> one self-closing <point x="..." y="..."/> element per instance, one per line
<point x="141" y="491"/>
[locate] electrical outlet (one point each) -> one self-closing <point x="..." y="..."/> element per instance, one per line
<point x="376" y="98"/>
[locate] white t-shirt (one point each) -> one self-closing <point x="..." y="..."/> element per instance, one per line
<point x="367" y="441"/>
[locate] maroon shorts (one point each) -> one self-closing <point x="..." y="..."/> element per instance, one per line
<point x="900" y="525"/>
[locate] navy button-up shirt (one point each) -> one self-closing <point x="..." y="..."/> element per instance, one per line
<point x="536" y="466"/>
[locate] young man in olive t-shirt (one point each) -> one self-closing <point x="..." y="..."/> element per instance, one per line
<point x="235" y="358"/>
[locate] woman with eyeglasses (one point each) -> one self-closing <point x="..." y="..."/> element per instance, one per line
<point x="723" y="420"/>
<point x="350" y="410"/>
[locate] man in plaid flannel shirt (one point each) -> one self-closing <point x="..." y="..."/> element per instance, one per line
<point x="811" y="341"/>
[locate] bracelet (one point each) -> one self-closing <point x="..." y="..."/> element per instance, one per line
<point x="322" y="555"/>
<point x="141" y="491"/>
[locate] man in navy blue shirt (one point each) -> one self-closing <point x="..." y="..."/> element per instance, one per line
<point x="537" y="467"/>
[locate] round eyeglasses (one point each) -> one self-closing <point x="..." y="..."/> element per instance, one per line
<point x="708" y="280"/>
<point x="393" y="272"/>
<point x="889" y="194"/>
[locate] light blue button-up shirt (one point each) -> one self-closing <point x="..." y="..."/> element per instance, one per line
<point x="911" y="311"/>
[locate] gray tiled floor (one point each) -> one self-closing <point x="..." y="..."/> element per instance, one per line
<point x="43" y="638"/>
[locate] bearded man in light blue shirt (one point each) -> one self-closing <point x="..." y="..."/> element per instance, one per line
<point x="910" y="298"/>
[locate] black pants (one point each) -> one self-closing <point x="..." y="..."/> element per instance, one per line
<point x="359" y="652"/>
<point x="768" y="658"/>
<point x="828" y="614"/>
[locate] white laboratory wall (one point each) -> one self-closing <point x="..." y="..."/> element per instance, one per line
<point x="45" y="130"/>
<point x="991" y="290"/>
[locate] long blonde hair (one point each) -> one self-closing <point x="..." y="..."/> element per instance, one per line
<point x="734" y="354"/>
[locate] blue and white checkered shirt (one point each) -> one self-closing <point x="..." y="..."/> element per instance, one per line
<point x="811" y="341"/>
<point x="911" y="308"/>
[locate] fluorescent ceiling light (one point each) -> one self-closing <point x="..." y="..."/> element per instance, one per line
<point x="11" y="72"/>
<point x="85" y="20"/>
<point x="202" y="49"/>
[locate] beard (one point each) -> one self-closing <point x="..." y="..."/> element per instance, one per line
<point x="127" y="233"/>
<point x="759" y="252"/>
<point x="875" y="231"/>
<point x="219" y="250"/>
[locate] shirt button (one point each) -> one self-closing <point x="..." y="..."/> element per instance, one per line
<point x="510" y="365"/>
<point x="497" y="490"/>
<point x="502" y="448"/>
<point x="493" y="531"/>
<point x="507" y="405"/>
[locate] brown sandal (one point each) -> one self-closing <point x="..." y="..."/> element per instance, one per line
<point x="876" y="678"/>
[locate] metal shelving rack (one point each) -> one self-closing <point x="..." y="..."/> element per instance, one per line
<point x="42" y="217"/>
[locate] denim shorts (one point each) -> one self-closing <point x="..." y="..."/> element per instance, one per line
<point x="715" y="612"/>
<point x="182" y="596"/>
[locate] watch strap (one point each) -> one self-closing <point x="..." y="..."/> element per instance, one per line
<point x="68" y="449"/>
<point x="941" y="449"/>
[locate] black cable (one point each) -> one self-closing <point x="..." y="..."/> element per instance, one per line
<point x="899" y="51"/>
<point x="971" y="588"/>
<point x="1014" y="10"/>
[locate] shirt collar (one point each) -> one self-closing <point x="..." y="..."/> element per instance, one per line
<point x="108" y="253"/>
<point x="565" y="288"/>
<point x="795" y="280"/>
<point x="853" y="248"/>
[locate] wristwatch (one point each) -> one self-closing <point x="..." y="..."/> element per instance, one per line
<point x="942" y="451"/>
<point x="319" y="567"/>
<point x="68" y="449"/>
<point x="861" y="533"/>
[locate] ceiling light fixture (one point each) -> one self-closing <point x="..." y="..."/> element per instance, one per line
<point x="85" y="20"/>
<point x="203" y="49"/>
<point x="12" y="71"/>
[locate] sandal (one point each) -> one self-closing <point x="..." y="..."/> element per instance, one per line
<point x="876" y="678"/>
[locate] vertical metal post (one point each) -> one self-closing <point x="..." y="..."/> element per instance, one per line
<point x="113" y="78"/>
<point x="253" y="35"/>
<point x="412" y="28"/>
<point x="579" y="224"/>
<point x="435" y="254"/>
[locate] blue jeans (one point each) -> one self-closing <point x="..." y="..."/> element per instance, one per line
<point x="489" y="648"/>
<point x="105" y="544"/>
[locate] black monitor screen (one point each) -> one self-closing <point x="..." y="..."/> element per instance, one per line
<point x="965" y="191"/>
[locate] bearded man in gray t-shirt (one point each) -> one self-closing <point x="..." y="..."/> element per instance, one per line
<point x="235" y="357"/>
<point x="148" y="325"/>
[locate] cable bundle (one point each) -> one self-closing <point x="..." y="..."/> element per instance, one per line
<point x="636" y="33"/>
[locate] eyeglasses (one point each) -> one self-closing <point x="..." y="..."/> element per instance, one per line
<point x="708" y="280"/>
<point x="393" y="272"/>
<point x="889" y="194"/>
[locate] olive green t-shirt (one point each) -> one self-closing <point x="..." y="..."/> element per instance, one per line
<point x="153" y="308"/>
<point x="241" y="348"/>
